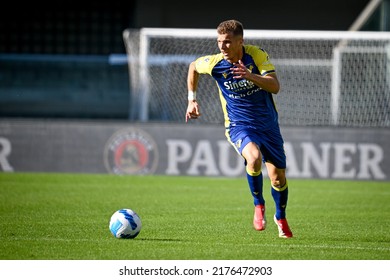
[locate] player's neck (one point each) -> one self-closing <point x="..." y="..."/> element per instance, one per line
<point x="236" y="58"/>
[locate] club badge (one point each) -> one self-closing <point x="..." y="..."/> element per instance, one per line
<point x="131" y="151"/>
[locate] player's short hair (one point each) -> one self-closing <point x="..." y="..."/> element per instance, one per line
<point x="231" y="26"/>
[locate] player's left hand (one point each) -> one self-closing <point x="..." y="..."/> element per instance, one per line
<point x="239" y="70"/>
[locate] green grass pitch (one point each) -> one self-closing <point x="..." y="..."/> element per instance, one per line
<point x="66" y="216"/>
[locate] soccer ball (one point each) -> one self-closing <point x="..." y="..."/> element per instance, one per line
<point x="125" y="223"/>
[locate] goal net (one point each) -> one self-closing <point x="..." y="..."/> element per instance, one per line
<point x="327" y="78"/>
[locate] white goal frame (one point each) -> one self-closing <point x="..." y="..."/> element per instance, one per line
<point x="145" y="59"/>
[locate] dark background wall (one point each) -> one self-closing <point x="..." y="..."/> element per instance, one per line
<point x="65" y="27"/>
<point x="54" y="57"/>
<point x="95" y="27"/>
<point x="255" y="14"/>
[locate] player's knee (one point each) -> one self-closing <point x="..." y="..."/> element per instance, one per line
<point x="278" y="180"/>
<point x="253" y="164"/>
<point x="276" y="183"/>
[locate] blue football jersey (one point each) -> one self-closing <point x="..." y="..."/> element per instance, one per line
<point x="243" y="103"/>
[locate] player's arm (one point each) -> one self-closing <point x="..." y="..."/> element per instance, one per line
<point x="268" y="82"/>
<point x="192" y="84"/>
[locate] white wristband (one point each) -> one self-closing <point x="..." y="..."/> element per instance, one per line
<point x="191" y="95"/>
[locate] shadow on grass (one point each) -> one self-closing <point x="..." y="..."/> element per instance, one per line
<point x="162" y="239"/>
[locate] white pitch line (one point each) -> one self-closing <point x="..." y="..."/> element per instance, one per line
<point x="218" y="243"/>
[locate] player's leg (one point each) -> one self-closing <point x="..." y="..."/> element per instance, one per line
<point x="279" y="190"/>
<point x="273" y="153"/>
<point x="253" y="160"/>
<point x="243" y="140"/>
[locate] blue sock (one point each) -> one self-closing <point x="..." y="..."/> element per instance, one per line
<point x="280" y="196"/>
<point x="255" y="181"/>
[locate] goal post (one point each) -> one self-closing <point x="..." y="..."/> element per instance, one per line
<point x="327" y="77"/>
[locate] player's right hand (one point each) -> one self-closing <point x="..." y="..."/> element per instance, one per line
<point x="192" y="110"/>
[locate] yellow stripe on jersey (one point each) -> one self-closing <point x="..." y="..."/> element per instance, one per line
<point x="224" y="104"/>
<point x="261" y="59"/>
<point x="205" y="64"/>
<point x="262" y="62"/>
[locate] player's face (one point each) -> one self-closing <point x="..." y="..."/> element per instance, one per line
<point x="230" y="46"/>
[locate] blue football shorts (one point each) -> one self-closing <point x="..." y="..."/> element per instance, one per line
<point x="270" y="142"/>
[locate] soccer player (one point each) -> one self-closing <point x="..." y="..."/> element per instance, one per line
<point x="246" y="80"/>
